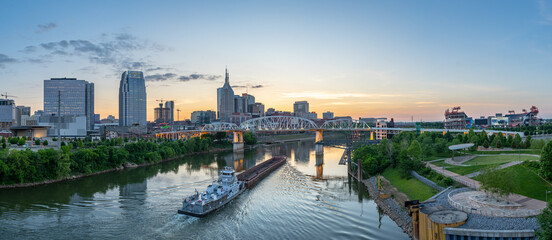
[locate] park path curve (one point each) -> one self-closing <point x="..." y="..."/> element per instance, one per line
<point x="527" y="202"/>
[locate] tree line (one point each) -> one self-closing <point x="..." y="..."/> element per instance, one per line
<point x="25" y="166"/>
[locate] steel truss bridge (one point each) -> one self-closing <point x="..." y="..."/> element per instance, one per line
<point x="297" y="124"/>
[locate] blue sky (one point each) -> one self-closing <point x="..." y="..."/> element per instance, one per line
<point x="358" y="58"/>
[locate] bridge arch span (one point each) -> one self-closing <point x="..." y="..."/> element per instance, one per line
<point x="278" y="123"/>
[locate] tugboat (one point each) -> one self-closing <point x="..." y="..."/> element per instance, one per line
<point x="217" y="195"/>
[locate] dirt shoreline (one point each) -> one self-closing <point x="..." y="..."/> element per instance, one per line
<point x="73" y="177"/>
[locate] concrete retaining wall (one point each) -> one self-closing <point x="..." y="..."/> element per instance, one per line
<point x="426" y="181"/>
<point x="462" y="233"/>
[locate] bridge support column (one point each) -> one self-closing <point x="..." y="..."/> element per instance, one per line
<point x="319" y="166"/>
<point x="238" y="141"/>
<point x="318" y="146"/>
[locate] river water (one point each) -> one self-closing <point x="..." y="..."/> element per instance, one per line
<point x="309" y="197"/>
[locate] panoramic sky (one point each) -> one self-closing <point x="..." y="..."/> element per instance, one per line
<point x="410" y="59"/>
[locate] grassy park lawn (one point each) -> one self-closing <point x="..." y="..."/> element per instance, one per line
<point x="513" y="151"/>
<point x="528" y="183"/>
<point x="414" y="189"/>
<point x="482" y="162"/>
<point x="498" y="159"/>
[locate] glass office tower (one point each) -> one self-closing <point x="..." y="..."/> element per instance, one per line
<point x="132" y="99"/>
<point x="77" y="98"/>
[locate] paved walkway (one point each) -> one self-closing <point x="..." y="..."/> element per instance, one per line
<point x="475" y="174"/>
<point x="527" y="202"/>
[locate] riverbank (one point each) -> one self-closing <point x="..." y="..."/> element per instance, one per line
<point x="122" y="167"/>
<point x="389" y="207"/>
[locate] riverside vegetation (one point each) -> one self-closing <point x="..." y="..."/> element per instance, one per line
<point x="407" y="151"/>
<point x="86" y="156"/>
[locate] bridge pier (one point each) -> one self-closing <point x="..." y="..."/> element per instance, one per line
<point x="238" y="141"/>
<point x="318" y="146"/>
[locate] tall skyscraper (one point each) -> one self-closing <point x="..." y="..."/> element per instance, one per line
<point x="169" y="106"/>
<point x="132" y="99"/>
<point x="77" y="98"/>
<point x="225" y="100"/>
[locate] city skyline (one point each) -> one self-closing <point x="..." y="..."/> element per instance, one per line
<point x="355" y="58"/>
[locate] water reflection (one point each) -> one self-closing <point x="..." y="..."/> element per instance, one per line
<point x="141" y="203"/>
<point x="319" y="166"/>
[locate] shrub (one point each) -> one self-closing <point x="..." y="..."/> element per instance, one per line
<point x="45" y="143"/>
<point x="448" y="181"/>
<point x="37" y="142"/>
<point x="21" y="142"/>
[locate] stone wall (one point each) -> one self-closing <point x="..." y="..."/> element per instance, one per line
<point x="389" y="207"/>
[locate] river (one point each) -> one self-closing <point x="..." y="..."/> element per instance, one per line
<point x="309" y="197"/>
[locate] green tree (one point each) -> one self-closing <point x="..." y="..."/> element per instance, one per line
<point x="45" y="143"/>
<point x="546" y="161"/>
<point x="13" y="140"/>
<point x="415" y="150"/>
<point x="21" y="142"/>
<point x="527" y="143"/>
<point x="249" y="138"/>
<point x="516" y="142"/>
<point x="37" y="142"/>
<point x="486" y="144"/>
<point x="545" y="222"/>
<point x="498" y="183"/>
<point x="4" y="145"/>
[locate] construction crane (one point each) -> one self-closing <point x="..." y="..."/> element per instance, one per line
<point x="6" y="95"/>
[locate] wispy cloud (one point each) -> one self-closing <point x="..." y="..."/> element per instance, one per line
<point x="5" y="59"/>
<point x="116" y="50"/>
<point x="44" y="28"/>
<point x="196" y="76"/>
<point x="247" y="86"/>
<point x="160" y="77"/>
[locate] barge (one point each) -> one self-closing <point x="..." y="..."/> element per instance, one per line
<point x="227" y="187"/>
<point x="253" y="175"/>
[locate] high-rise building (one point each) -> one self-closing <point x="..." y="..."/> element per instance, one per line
<point x="76" y="98"/>
<point x="162" y="114"/>
<point x="225" y="100"/>
<point x="300" y="107"/>
<point x="7" y="114"/>
<point x="169" y="107"/>
<point x="132" y="99"/>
